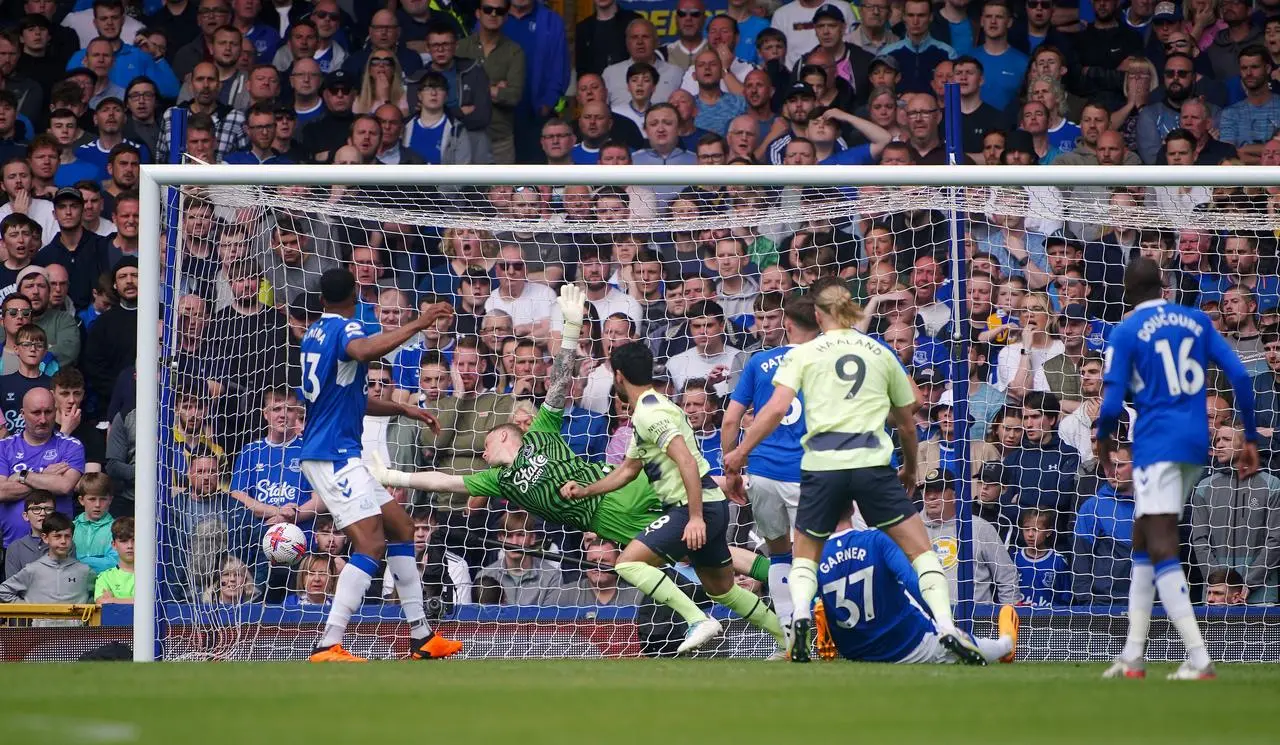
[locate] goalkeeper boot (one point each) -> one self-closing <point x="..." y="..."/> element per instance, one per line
<point x="336" y="653"/>
<point x="801" y="639"/>
<point x="434" y="647"/>
<point x="699" y="635"/>
<point x="826" y="645"/>
<point x="1008" y="626"/>
<point x="1187" y="671"/>
<point x="963" y="647"/>
<point x="1123" y="668"/>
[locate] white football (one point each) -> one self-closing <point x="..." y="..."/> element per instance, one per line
<point x="284" y="543"/>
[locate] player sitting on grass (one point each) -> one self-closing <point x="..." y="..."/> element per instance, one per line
<point x="872" y="611"/>
<point x="663" y="446"/>
<point x="528" y="469"/>
<point x="335" y="357"/>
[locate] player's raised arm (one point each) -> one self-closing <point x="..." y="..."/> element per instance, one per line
<point x="572" y="301"/>
<point x="369" y="348"/>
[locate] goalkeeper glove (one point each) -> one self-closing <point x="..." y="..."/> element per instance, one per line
<point x="571" y="302"/>
<point x="386" y="476"/>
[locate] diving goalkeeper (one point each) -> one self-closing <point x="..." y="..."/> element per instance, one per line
<point x="528" y="469"/>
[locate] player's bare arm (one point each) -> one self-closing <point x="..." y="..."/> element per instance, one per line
<point x="382" y="407"/>
<point x="695" y="533"/>
<point x="375" y="347"/>
<point x="617" y="478"/>
<point x="767" y="420"/>
<point x="903" y="420"/>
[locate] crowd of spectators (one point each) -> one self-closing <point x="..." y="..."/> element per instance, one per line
<point x="91" y="89"/>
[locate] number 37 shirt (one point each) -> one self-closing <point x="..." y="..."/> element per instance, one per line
<point x="850" y="381"/>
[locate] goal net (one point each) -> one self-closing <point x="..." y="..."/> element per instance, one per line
<point x="997" y="299"/>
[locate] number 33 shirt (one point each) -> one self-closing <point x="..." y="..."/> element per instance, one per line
<point x="849" y="381"/>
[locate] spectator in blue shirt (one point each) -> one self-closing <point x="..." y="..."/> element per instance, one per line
<point x="715" y="107"/>
<point x="540" y="33"/>
<point x="124" y="62"/>
<point x="1251" y="122"/>
<point x="1104" y="537"/>
<point x="261" y="128"/>
<point x="702" y="407"/>
<point x="1041" y="472"/>
<point x="264" y="38"/>
<point x="1003" y="67"/>
<point x="918" y="53"/>
<point x="109" y="119"/>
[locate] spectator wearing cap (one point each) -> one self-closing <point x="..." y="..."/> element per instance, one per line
<point x="433" y="134"/>
<point x="540" y="32"/>
<point x="1249" y="124"/>
<point x="468" y="100"/>
<point x="142" y="124"/>
<point x="504" y="64"/>
<point x="21" y="199"/>
<point x="1081" y="336"/>
<point x="987" y="491"/>
<point x="80" y="251"/>
<point x="797" y="20"/>
<point x="642" y="44"/>
<point x="14" y="133"/>
<point x="1103" y="536"/>
<point x="797" y="108"/>
<point x="41" y="60"/>
<point x="62" y="332"/>
<point x="918" y="53"/>
<point x="108" y="117"/>
<point x="994" y="577"/>
<point x="1003" y="66"/>
<point x="846" y="65"/>
<point x="261" y="126"/>
<point x="325" y="134"/>
<point x="229" y="133"/>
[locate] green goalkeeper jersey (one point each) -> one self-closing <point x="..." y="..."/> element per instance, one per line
<point x="544" y="464"/>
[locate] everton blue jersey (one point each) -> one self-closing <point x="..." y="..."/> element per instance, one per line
<point x="334" y="387"/>
<point x="271" y="473"/>
<point x="1159" y="357"/>
<point x="1045" y="581"/>
<point x="872" y="597"/>
<point x="778" y="456"/>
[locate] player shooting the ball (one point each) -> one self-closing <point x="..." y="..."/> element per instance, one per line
<point x="531" y="469"/>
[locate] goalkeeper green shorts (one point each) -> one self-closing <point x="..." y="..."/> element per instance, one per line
<point x="625" y="513"/>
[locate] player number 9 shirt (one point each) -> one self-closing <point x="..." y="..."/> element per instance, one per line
<point x="850" y="381"/>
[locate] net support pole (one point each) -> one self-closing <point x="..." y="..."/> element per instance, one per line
<point x="147" y="453"/>
<point x="959" y="373"/>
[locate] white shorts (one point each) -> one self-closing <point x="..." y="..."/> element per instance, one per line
<point x="348" y="490"/>
<point x="1162" y="488"/>
<point x="773" y="505"/>
<point x="929" y="652"/>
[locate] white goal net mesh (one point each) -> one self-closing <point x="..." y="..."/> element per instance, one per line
<point x="699" y="272"/>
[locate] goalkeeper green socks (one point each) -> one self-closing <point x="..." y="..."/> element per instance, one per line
<point x="754" y="610"/>
<point x="653" y="582"/>
<point x="760" y="569"/>
<point x="934" y="589"/>
<point x="804" y="586"/>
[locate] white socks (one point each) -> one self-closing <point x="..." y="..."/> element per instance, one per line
<point x="353" y="583"/>
<point x="1171" y="583"/>
<point x="779" y="588"/>
<point x="1142" y="596"/>
<point x="404" y="569"/>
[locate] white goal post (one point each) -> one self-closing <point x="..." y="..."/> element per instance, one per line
<point x="945" y="186"/>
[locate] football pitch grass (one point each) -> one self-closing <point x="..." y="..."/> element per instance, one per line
<point x="656" y="702"/>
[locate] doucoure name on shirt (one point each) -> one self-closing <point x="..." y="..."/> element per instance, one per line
<point x="1164" y="318"/>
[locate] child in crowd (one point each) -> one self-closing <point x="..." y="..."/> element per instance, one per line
<point x="56" y="577"/>
<point x="234" y="585"/>
<point x="116" y="585"/>
<point x="1042" y="571"/>
<point x="37" y="505"/>
<point x="93" y="536"/>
